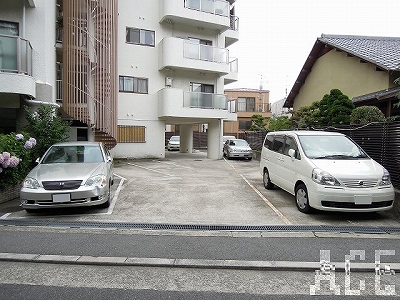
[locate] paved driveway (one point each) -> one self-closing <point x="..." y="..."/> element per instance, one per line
<point x="192" y="189"/>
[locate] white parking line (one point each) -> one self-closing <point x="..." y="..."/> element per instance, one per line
<point x="5" y="216"/>
<point x="115" y="198"/>
<point x="279" y="214"/>
<point x="152" y="170"/>
<point x="172" y="163"/>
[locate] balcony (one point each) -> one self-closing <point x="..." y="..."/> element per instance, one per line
<point x="233" y="71"/>
<point x="175" y="103"/>
<point x="232" y="34"/>
<point x="16" y="66"/>
<point x="212" y="14"/>
<point x="184" y="54"/>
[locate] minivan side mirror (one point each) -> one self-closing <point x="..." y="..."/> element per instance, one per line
<point x="292" y="153"/>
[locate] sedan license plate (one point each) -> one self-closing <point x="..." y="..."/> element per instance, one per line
<point x="61" y="198"/>
<point x="362" y="199"/>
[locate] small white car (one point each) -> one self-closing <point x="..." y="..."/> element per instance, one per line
<point x="174" y="143"/>
<point x="237" y="148"/>
<point x="325" y="171"/>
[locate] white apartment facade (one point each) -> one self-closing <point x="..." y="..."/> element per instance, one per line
<point x="121" y="70"/>
<point x="173" y="63"/>
<point x="27" y="58"/>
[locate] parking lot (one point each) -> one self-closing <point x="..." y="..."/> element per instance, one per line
<point x="192" y="189"/>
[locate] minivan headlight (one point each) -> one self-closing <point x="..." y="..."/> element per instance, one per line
<point x="385" y="180"/>
<point x="324" y="178"/>
<point x="97" y="180"/>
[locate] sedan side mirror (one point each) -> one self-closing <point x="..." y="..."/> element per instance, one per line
<point x="292" y="153"/>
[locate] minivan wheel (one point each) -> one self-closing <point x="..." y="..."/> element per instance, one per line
<point x="302" y="199"/>
<point x="267" y="181"/>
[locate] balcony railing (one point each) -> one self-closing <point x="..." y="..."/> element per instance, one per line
<point x="234" y="25"/>
<point x="217" y="7"/>
<point x="205" y="100"/>
<point x="205" y="52"/>
<point x="15" y="55"/>
<point x="234" y="65"/>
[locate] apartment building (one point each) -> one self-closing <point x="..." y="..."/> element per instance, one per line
<point x="173" y="63"/>
<point x="121" y="71"/>
<point x="27" y="58"/>
<point x="246" y="102"/>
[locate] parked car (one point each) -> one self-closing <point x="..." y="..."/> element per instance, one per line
<point x="326" y="171"/>
<point x="237" y="148"/>
<point x="174" y="143"/>
<point x="228" y="137"/>
<point x="70" y="174"/>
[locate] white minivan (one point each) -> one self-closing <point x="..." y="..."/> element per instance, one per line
<point x="325" y="171"/>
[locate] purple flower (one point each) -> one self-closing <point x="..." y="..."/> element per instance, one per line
<point x="19" y="136"/>
<point x="2" y="159"/>
<point x="28" y="145"/>
<point x="33" y="141"/>
<point x="14" y="161"/>
<point x="6" y="155"/>
<point x="6" y="164"/>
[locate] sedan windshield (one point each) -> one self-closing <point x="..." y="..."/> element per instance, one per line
<point x="73" y="154"/>
<point x="330" y="147"/>
<point x="238" y="143"/>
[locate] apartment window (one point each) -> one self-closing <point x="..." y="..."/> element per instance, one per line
<point x="133" y="85"/>
<point x="131" y="134"/>
<point x="245" y="125"/>
<point x="140" y="36"/>
<point x="246" y="104"/>
<point x="9" y="28"/>
<point x="201" y="87"/>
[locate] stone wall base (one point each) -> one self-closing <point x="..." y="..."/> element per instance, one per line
<point x="10" y="193"/>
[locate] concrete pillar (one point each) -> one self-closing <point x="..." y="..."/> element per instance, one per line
<point x="186" y="132"/>
<point x="214" y="139"/>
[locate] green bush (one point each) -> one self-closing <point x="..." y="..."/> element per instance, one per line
<point x="16" y="154"/>
<point x="366" y="114"/>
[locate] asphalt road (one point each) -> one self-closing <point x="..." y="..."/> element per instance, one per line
<point x="52" y="254"/>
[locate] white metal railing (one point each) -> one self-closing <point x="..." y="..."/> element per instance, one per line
<point x="234" y="65"/>
<point x="217" y="7"/>
<point x="205" y="52"/>
<point x="205" y="100"/>
<point x="234" y="23"/>
<point x="15" y="55"/>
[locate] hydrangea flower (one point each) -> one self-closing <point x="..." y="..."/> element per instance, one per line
<point x="2" y="159"/>
<point x="33" y="141"/>
<point x="14" y="161"/>
<point x="6" y="155"/>
<point x="19" y="136"/>
<point x="28" y="145"/>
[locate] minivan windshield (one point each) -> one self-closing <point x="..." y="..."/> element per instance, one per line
<point x="330" y="147"/>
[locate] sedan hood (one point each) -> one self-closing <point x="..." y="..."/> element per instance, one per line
<point x="348" y="168"/>
<point x="74" y="171"/>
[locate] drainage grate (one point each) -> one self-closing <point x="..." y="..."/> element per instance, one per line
<point x="201" y="227"/>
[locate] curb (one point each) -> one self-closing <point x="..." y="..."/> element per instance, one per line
<point x="184" y="263"/>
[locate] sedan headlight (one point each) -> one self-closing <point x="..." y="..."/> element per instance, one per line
<point x="385" y="180"/>
<point x="97" y="180"/>
<point x="30" y="183"/>
<point x="324" y="178"/>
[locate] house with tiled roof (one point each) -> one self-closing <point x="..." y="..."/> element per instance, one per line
<point x="246" y="102"/>
<point x="363" y="67"/>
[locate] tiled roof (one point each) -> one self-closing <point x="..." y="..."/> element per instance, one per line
<point x="378" y="95"/>
<point x="382" y="51"/>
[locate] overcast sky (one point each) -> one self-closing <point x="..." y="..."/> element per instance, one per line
<point x="276" y="36"/>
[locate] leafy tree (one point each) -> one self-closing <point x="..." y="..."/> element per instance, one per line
<point x="306" y="116"/>
<point x="47" y="127"/>
<point x="335" y="109"/>
<point x="279" y="123"/>
<point x="258" y="123"/>
<point x="366" y="114"/>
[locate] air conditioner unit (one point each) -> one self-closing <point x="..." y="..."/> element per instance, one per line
<point x="168" y="81"/>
